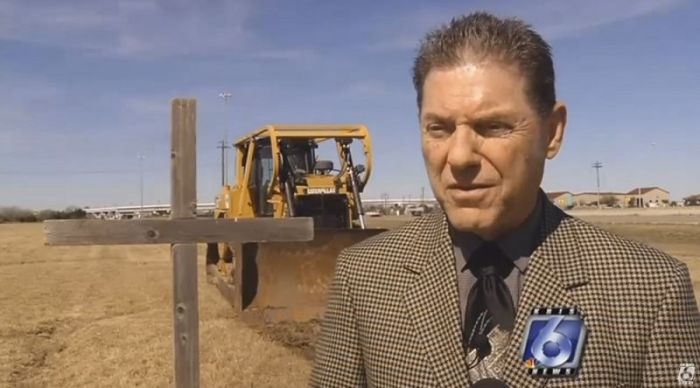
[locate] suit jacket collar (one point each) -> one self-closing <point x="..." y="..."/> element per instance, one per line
<point x="559" y="246"/>
<point x="432" y="300"/>
<point x="556" y="271"/>
<point x="555" y="235"/>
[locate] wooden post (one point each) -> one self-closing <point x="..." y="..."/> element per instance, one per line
<point x="184" y="205"/>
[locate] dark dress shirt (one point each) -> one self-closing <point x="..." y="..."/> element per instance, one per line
<point x="517" y="245"/>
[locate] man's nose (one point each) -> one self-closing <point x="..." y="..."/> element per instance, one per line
<point x="463" y="149"/>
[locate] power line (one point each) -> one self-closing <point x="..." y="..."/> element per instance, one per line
<point x="67" y="172"/>
<point x="89" y="172"/>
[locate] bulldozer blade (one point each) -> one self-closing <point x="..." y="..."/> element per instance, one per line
<point x="289" y="281"/>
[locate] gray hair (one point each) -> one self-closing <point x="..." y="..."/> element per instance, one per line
<point x="485" y="36"/>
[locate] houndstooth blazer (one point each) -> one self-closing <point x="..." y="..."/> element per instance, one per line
<point x="392" y="318"/>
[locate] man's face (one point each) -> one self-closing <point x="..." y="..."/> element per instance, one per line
<point x="485" y="145"/>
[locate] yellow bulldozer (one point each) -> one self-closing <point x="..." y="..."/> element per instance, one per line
<point x="279" y="174"/>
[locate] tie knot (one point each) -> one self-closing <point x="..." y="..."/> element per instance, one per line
<point x="489" y="260"/>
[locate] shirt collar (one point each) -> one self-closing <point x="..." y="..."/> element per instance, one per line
<point x="517" y="244"/>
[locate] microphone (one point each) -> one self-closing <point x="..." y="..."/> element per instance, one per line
<point x="482" y="345"/>
<point x="483" y="348"/>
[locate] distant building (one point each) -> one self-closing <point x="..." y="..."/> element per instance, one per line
<point x="563" y="199"/>
<point x="607" y="198"/>
<point x="693" y="200"/>
<point x="647" y="197"/>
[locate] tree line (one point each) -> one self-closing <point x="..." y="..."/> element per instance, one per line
<point x="16" y="214"/>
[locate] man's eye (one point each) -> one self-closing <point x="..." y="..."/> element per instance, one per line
<point x="495" y="129"/>
<point x="437" y="129"/>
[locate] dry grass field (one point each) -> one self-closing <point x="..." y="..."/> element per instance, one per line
<point x="101" y="316"/>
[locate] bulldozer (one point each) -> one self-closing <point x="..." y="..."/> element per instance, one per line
<point x="279" y="174"/>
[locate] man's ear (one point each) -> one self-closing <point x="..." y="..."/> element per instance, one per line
<point x="555" y="126"/>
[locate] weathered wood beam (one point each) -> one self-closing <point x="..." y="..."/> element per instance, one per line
<point x="182" y="230"/>
<point x="183" y="154"/>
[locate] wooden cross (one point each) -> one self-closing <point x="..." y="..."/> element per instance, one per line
<point x="183" y="231"/>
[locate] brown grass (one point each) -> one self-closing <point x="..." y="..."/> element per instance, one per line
<point x="101" y="316"/>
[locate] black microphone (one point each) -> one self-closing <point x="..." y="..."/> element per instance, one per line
<point x="482" y="345"/>
<point x="490" y="383"/>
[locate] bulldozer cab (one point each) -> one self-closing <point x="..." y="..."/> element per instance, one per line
<point x="279" y="174"/>
<point x="261" y="180"/>
<point x="297" y="161"/>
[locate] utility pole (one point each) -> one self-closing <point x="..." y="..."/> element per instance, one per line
<point x="224" y="146"/>
<point x="141" y="158"/>
<point x="598" y="165"/>
<point x="224" y="166"/>
<point x="422" y="195"/>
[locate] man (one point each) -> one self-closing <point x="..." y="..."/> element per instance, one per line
<point x="445" y="300"/>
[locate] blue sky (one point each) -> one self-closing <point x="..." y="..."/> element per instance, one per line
<point x="86" y="87"/>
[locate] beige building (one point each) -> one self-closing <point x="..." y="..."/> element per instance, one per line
<point x="648" y="196"/>
<point x="606" y="198"/>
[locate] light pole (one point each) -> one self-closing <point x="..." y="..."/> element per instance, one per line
<point x="224" y="146"/>
<point x="141" y="158"/>
<point x="598" y="165"/>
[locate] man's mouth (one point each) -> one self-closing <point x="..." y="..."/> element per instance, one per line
<point x="468" y="187"/>
<point x="468" y="194"/>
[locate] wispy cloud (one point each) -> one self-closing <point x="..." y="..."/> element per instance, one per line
<point x="42" y="119"/>
<point x="138" y="28"/>
<point x="284" y="54"/>
<point x="555" y="19"/>
<point x="563" y="19"/>
<point x="22" y="100"/>
<point x="366" y="89"/>
<point x="150" y="106"/>
<point x="126" y="27"/>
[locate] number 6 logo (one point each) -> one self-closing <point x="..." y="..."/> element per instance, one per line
<point x="550" y="347"/>
<point x="686" y="375"/>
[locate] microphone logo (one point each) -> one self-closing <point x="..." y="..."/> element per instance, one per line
<point x="686" y="375"/>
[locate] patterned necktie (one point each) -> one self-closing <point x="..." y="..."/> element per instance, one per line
<point x="489" y="302"/>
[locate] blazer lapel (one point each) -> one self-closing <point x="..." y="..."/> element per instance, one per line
<point x="432" y="303"/>
<point x="555" y="270"/>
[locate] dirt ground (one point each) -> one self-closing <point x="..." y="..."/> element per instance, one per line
<point x="101" y="316"/>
